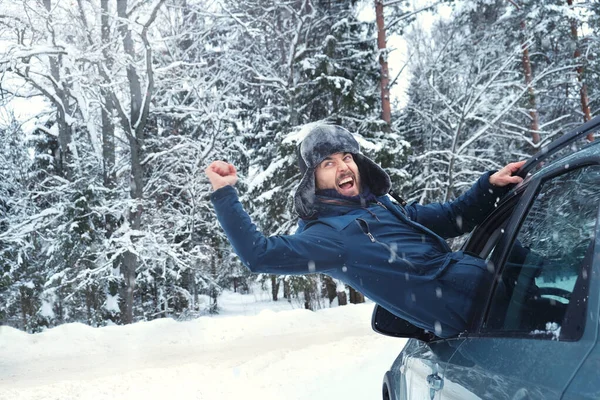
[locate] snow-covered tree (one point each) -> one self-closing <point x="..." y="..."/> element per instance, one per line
<point x="470" y="105"/>
<point x="117" y="178"/>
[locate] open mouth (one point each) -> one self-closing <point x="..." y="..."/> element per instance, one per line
<point x="346" y="183"/>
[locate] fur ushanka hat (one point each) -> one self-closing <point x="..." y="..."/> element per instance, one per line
<point x="321" y="142"/>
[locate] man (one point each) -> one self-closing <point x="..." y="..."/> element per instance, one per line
<point x="349" y="229"/>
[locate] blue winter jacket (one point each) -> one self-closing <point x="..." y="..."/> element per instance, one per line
<point x="395" y="255"/>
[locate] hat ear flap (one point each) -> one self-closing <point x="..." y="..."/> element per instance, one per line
<point x="304" y="197"/>
<point x="301" y="163"/>
<point x="373" y="175"/>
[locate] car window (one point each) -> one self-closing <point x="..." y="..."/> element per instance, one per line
<point x="543" y="284"/>
<point x="484" y="238"/>
<point x="488" y="250"/>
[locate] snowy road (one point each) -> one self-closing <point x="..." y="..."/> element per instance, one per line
<point x="291" y="354"/>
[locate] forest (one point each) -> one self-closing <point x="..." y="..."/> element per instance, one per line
<point x="105" y="215"/>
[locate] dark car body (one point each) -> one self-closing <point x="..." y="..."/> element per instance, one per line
<point x="535" y="334"/>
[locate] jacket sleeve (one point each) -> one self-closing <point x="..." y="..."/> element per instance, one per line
<point x="317" y="249"/>
<point x="460" y="216"/>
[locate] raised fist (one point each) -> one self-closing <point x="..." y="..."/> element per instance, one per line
<point x="221" y="174"/>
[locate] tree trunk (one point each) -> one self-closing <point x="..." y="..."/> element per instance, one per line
<point x="108" y="139"/>
<point x="386" y="113"/>
<point x="194" y="290"/>
<point x="88" y="306"/>
<point x="24" y="307"/>
<point x="533" y="113"/>
<point x="356" y="297"/>
<point x="307" y="299"/>
<point x="108" y="128"/>
<point x="583" y="95"/>
<point x="274" y="287"/>
<point x="130" y="260"/>
<point x="289" y="55"/>
<point x="450" y="188"/>
<point x="311" y="290"/>
<point x="135" y="91"/>
<point x="287" y="290"/>
<point x="213" y="292"/>
<point x="134" y="127"/>
<point x="63" y="110"/>
<point x="330" y="288"/>
<point x="342" y="298"/>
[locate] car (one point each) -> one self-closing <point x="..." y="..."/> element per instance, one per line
<point x="534" y="334"/>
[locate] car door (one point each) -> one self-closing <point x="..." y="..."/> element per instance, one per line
<point x="417" y="373"/>
<point x="534" y="330"/>
<point x="421" y="369"/>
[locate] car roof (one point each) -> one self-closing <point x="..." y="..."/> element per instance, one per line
<point x="590" y="150"/>
<point x="559" y="144"/>
<point x="538" y="160"/>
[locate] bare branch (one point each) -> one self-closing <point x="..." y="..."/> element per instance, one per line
<point x="138" y="125"/>
<point x="408" y="14"/>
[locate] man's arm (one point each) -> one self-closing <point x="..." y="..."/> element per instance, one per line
<point x="317" y="249"/>
<point x="460" y="216"/>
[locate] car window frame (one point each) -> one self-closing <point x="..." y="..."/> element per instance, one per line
<point x="514" y="214"/>
<point x="506" y="211"/>
<point x="482" y="235"/>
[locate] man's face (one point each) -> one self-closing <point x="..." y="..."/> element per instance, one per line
<point x="339" y="172"/>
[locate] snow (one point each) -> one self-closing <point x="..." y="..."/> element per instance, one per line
<point x="254" y="349"/>
<point x="300" y="133"/>
<point x="29" y="285"/>
<point x="46" y="308"/>
<point x="259" y="179"/>
<point x="112" y="303"/>
<point x="552" y="329"/>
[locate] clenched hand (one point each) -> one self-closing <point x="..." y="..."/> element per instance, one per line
<point x="221" y="174"/>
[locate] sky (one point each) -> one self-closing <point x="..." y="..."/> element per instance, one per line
<point x="254" y="349"/>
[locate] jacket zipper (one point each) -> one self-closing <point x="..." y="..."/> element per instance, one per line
<point x="364" y="226"/>
<point x="404" y="215"/>
<point x="382" y="205"/>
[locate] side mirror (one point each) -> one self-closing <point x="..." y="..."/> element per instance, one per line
<point x="386" y="323"/>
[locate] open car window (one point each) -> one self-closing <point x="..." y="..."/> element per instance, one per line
<point x="543" y="284"/>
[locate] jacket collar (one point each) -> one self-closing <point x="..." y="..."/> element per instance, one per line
<point x="330" y="203"/>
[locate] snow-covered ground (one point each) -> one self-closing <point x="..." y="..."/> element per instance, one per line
<point x="255" y="349"/>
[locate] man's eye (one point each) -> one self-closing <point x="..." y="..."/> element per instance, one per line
<point x="348" y="158"/>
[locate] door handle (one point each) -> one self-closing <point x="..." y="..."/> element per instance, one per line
<point x="435" y="381"/>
